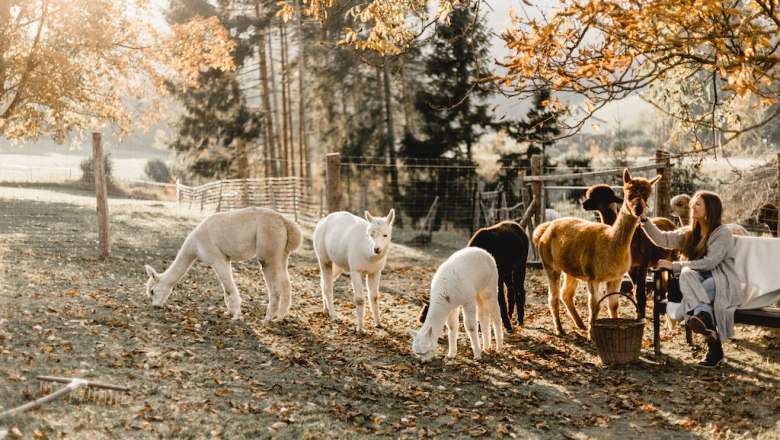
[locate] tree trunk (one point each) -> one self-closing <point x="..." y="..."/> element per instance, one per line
<point x="268" y="123"/>
<point x="289" y="151"/>
<point x="390" y="149"/>
<point x="279" y="142"/>
<point x="302" y="138"/>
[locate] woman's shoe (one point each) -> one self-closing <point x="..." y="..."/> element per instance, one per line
<point x="701" y="323"/>
<point x="714" y="354"/>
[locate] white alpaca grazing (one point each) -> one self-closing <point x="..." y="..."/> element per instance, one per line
<point x="236" y="236"/>
<point x="468" y="280"/>
<point x="346" y="242"/>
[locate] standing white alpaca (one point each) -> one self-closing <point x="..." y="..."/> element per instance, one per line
<point x="468" y="279"/>
<point x="346" y="242"/>
<point x="236" y="236"/>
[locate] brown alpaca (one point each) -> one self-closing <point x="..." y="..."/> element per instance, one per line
<point x="767" y="214"/>
<point x="644" y="253"/>
<point x="591" y="252"/>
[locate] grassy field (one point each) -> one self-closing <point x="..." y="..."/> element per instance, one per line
<point x="194" y="373"/>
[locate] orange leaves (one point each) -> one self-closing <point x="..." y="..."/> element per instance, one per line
<point x="97" y="62"/>
<point x="198" y="44"/>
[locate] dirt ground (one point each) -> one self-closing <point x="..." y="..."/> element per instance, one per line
<point x="194" y="373"/>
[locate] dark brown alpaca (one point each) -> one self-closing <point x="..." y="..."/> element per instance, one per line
<point x="767" y="214"/>
<point x="644" y="254"/>
<point x="507" y="242"/>
<point x="591" y="252"/>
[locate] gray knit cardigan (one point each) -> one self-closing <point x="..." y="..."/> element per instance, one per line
<point x="719" y="259"/>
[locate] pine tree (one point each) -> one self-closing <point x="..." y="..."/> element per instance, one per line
<point x="215" y="132"/>
<point x="539" y="131"/>
<point x="453" y="115"/>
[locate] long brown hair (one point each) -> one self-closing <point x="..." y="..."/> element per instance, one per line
<point x="695" y="245"/>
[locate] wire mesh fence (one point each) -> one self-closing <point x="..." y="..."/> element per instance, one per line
<point x="42" y="194"/>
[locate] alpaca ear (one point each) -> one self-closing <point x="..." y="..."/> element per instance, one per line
<point x="626" y="175"/>
<point x="152" y="273"/>
<point x="391" y="216"/>
<point x="369" y="217"/>
<point x="412" y="332"/>
<point x="655" y="179"/>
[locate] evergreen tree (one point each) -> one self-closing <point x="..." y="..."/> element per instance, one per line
<point x="453" y="114"/>
<point x="539" y="131"/>
<point x="216" y="130"/>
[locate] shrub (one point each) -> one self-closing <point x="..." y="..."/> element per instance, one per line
<point x="88" y="169"/>
<point x="157" y="170"/>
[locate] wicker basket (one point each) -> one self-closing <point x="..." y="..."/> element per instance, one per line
<point x="618" y="340"/>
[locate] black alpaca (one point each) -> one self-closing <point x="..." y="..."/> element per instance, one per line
<point x="507" y="242"/>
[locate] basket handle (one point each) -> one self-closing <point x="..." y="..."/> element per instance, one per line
<point x="598" y="305"/>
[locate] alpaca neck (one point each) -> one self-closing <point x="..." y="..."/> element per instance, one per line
<point x="608" y="216"/>
<point x="181" y="264"/>
<point x="685" y="220"/>
<point x="437" y="315"/>
<point x="624" y="226"/>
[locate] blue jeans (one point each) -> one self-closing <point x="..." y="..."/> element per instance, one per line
<point x="708" y="282"/>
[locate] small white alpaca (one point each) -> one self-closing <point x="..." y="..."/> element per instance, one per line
<point x="236" y="236"/>
<point x="346" y="242"/>
<point x="468" y="280"/>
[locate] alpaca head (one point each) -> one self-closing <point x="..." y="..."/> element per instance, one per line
<point x="380" y="230"/>
<point x="600" y="196"/>
<point x="156" y="291"/>
<point x="681" y="206"/>
<point x="637" y="190"/>
<point x="423" y="344"/>
<point x="767" y="213"/>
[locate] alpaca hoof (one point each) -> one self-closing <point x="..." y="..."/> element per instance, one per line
<point x="264" y="321"/>
<point x="236" y="316"/>
<point x="451" y="355"/>
<point x="477" y="357"/>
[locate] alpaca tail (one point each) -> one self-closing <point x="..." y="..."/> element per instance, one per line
<point x="539" y="231"/>
<point x="294" y="236"/>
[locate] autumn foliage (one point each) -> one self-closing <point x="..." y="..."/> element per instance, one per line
<point x="70" y="65"/>
<point x="692" y="59"/>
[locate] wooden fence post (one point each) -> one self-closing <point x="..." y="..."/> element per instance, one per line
<point x="333" y="184"/>
<point x="664" y="186"/>
<point x="777" y="201"/>
<point x="101" y="191"/>
<point x="537" y="188"/>
<point x="477" y="200"/>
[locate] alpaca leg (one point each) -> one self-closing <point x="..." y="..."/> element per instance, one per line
<point x="518" y="288"/>
<point x="373" y="296"/>
<point x="553" y="299"/>
<point x="452" y="332"/>
<point x="273" y="294"/>
<point x="484" y="323"/>
<point x="569" y="290"/>
<point x="358" y="296"/>
<point x="279" y="291"/>
<point x="326" y="284"/>
<point x="641" y="289"/>
<point x="493" y="314"/>
<point x="502" y="302"/>
<point x="613" y="301"/>
<point x="470" y="322"/>
<point x="593" y="298"/>
<point x="232" y="298"/>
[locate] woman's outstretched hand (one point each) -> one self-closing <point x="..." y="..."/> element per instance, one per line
<point x="664" y="264"/>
